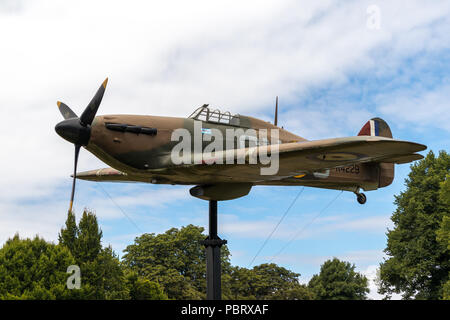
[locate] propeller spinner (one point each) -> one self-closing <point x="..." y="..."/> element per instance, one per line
<point x="77" y="130"/>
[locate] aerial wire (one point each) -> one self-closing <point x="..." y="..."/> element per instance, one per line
<point x="274" y="229"/>
<point x="304" y="227"/>
<point x="123" y="212"/>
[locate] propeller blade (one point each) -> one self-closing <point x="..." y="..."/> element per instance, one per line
<point x="77" y="152"/>
<point x="88" y="114"/>
<point x="66" y="112"/>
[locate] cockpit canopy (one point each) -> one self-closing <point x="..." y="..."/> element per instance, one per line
<point x="205" y="114"/>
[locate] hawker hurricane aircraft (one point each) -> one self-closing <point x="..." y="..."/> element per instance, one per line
<point x="140" y="148"/>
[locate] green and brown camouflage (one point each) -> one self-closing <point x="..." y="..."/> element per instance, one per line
<point x="138" y="149"/>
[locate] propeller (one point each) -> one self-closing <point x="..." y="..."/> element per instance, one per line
<point x="77" y="130"/>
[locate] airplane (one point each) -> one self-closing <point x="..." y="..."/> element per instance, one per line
<point x="139" y="148"/>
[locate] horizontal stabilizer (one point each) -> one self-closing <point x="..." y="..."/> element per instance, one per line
<point x="399" y="159"/>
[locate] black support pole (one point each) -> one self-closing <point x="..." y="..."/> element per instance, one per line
<point x="213" y="244"/>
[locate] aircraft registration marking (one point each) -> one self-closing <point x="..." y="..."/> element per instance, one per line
<point x="350" y="169"/>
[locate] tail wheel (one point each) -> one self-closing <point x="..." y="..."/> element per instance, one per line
<point x="361" y="197"/>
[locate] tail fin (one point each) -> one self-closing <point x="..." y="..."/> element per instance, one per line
<point x="379" y="127"/>
<point x="376" y="127"/>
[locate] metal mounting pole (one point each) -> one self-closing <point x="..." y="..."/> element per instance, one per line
<point x="213" y="244"/>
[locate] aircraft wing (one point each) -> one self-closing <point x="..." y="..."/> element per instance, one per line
<point x="294" y="158"/>
<point x="324" y="154"/>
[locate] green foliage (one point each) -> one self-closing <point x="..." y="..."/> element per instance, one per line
<point x="84" y="240"/>
<point x="68" y="236"/>
<point x="418" y="247"/>
<point x="443" y="233"/>
<point x="175" y="260"/>
<point x="338" y="280"/>
<point x="88" y="242"/>
<point x="297" y="292"/>
<point x="101" y="274"/>
<point x="171" y="265"/>
<point x="34" y="269"/>
<point x="267" y="281"/>
<point x="144" y="289"/>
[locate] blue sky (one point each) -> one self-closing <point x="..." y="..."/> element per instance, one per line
<point x="331" y="71"/>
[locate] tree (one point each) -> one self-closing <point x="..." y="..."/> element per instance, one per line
<point x="443" y="233"/>
<point x="175" y="259"/>
<point x="144" y="289"/>
<point x="297" y="292"/>
<point x="419" y="258"/>
<point x="68" y="236"/>
<point x="267" y="281"/>
<point x="101" y="274"/>
<point x="34" y="269"/>
<point x="88" y="242"/>
<point x="169" y="265"/>
<point x="338" y="280"/>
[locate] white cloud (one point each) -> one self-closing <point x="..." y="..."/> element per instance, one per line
<point x="132" y="199"/>
<point x="375" y="224"/>
<point x="233" y="226"/>
<point x="361" y="258"/>
<point x="31" y="219"/>
<point x="306" y="226"/>
<point x="421" y="107"/>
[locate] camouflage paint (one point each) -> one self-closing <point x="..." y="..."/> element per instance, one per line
<point x="146" y="158"/>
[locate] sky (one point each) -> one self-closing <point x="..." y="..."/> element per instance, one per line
<point x="333" y="64"/>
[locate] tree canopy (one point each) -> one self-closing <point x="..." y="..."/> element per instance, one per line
<point x="34" y="269"/>
<point x="443" y="233"/>
<point x="418" y="251"/>
<point x="267" y="281"/>
<point x="176" y="260"/>
<point x="338" y="280"/>
<point x="101" y="274"/>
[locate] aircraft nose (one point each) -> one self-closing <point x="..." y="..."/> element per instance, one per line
<point x="73" y="131"/>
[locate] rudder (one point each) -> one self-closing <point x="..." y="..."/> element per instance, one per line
<point x="376" y="127"/>
<point x="379" y="127"/>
